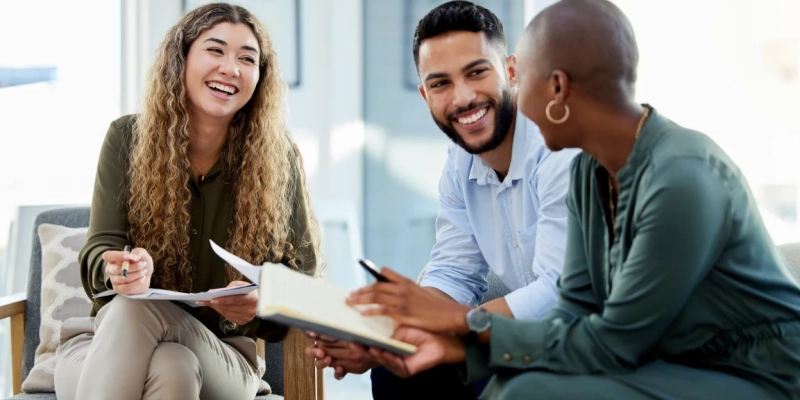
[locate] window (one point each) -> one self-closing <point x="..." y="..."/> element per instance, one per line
<point x="59" y="90"/>
<point x="730" y="69"/>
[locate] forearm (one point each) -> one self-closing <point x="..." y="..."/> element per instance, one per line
<point x="498" y="306"/>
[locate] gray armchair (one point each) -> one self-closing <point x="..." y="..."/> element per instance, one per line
<point x="287" y="369"/>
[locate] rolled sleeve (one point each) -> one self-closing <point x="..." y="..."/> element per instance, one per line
<point x="457" y="266"/>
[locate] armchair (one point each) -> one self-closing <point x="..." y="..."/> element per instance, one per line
<point x="288" y="371"/>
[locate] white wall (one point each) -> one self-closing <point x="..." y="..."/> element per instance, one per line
<point x="532" y="7"/>
<point x="405" y="150"/>
<point x="325" y="116"/>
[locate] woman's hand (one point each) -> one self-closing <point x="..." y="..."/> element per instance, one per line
<point x="140" y="269"/>
<point x="239" y="309"/>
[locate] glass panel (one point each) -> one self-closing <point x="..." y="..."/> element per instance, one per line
<point x="59" y="90"/>
<point x="405" y="149"/>
<point x="730" y="71"/>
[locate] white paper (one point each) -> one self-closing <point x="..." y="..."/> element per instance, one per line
<point x="249" y="271"/>
<point x="188" y="298"/>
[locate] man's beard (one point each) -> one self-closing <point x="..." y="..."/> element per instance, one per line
<point x="503" y="116"/>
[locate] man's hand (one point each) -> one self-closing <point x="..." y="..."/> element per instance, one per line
<point x="239" y="309"/>
<point x="411" y="305"/>
<point x="140" y="269"/>
<point x="432" y="350"/>
<point x="343" y="357"/>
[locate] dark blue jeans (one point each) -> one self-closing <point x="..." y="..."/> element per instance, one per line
<point x="442" y="382"/>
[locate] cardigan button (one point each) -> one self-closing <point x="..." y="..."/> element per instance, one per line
<point x="526" y="359"/>
<point x="507" y="357"/>
<point x="194" y="232"/>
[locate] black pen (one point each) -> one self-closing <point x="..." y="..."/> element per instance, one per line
<point x="125" y="263"/>
<point x="372" y="269"/>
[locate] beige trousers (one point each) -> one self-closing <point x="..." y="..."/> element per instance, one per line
<point x="138" y="349"/>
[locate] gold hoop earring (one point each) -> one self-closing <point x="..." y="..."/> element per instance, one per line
<point x="550" y="117"/>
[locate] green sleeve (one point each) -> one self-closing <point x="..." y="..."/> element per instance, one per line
<point x="108" y="221"/>
<point x="680" y="230"/>
<point x="576" y="298"/>
<point x="305" y="251"/>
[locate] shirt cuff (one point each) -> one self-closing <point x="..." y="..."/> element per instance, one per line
<point x="476" y="363"/>
<point x="532" y="302"/>
<point x="515" y="344"/>
<point x="458" y="294"/>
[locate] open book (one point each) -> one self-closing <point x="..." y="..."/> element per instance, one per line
<point x="292" y="298"/>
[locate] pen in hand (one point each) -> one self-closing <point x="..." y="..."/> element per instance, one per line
<point x="125" y="263"/>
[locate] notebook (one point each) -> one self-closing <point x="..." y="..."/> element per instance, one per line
<point x="292" y="298"/>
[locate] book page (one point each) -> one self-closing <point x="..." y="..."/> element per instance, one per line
<point x="291" y="297"/>
<point x="315" y="300"/>
<point x="252" y="273"/>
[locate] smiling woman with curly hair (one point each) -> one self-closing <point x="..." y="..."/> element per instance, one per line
<point x="208" y="158"/>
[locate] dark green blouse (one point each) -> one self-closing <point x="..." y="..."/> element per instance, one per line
<point x="689" y="262"/>
<point x="211" y="210"/>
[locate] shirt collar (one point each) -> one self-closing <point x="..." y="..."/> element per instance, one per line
<point x="483" y="174"/>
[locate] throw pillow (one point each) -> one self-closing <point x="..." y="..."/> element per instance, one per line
<point x="62" y="298"/>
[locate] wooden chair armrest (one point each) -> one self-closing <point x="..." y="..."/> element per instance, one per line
<point x="301" y="380"/>
<point x="14" y="306"/>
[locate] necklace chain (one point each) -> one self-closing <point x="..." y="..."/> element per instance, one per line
<point x="611" y="206"/>
<point x="203" y="171"/>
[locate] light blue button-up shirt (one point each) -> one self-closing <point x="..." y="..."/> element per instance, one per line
<point x="517" y="227"/>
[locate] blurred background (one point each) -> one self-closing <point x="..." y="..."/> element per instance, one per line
<point x="373" y="155"/>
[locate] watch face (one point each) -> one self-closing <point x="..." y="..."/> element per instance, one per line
<point x="478" y="320"/>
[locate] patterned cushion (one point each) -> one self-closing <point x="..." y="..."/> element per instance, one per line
<point x="62" y="298"/>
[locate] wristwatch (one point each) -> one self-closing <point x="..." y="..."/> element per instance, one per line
<point x="478" y="320"/>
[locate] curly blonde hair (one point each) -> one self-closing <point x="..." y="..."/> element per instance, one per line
<point x="262" y="163"/>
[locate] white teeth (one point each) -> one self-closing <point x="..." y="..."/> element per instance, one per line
<point x="224" y="88"/>
<point x="474" y="117"/>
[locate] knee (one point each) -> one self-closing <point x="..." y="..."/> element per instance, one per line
<point x="173" y="365"/>
<point x="123" y="306"/>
